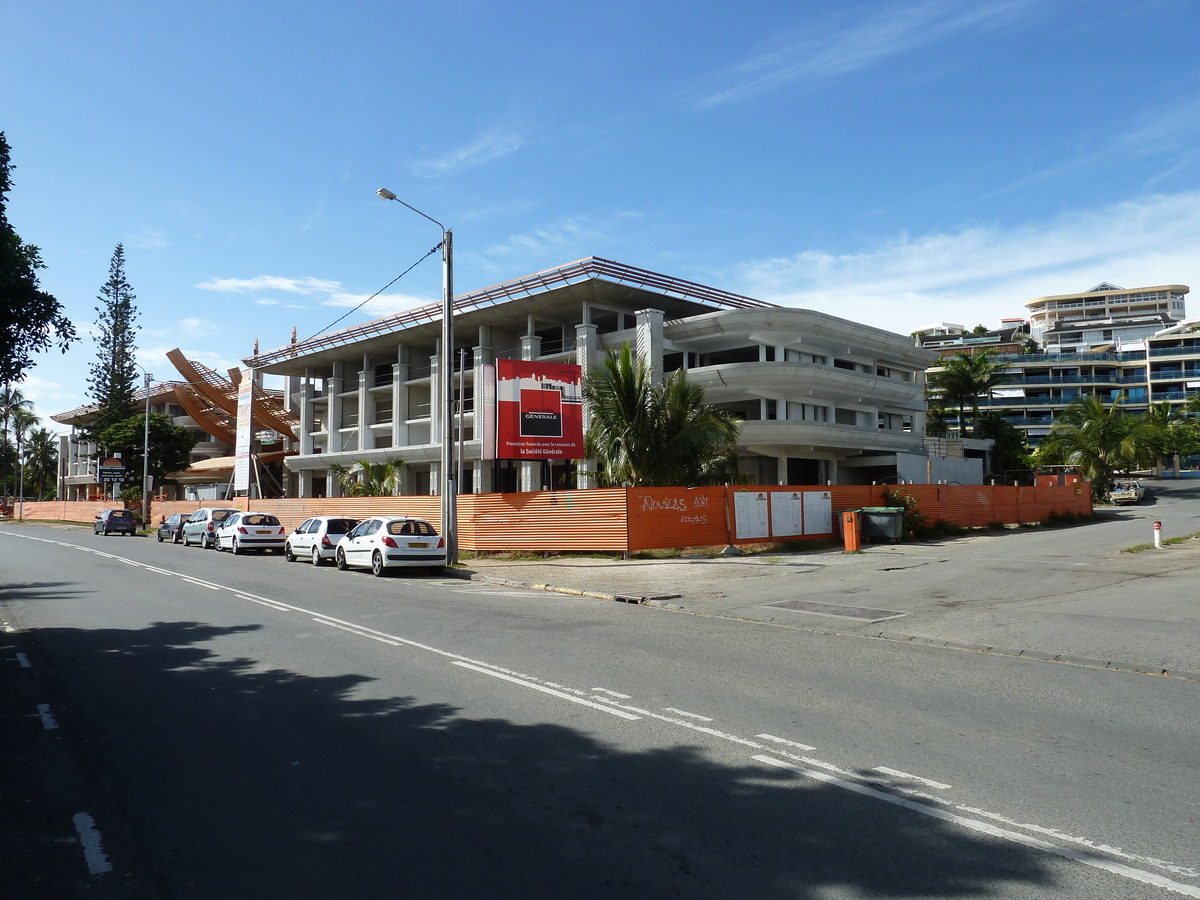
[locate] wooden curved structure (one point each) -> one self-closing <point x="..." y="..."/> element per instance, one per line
<point x="212" y="401"/>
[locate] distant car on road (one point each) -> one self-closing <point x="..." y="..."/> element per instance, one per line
<point x="1126" y="492"/>
<point x="171" y="528"/>
<point x="317" y="539"/>
<point x="201" y="526"/>
<point x="250" y="531"/>
<point x="115" y="521"/>
<point x="386" y="542"/>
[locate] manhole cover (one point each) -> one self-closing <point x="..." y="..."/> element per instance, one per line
<point x="844" y="612"/>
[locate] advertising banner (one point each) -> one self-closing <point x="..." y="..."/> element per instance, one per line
<point x="245" y="436"/>
<point x="539" y="410"/>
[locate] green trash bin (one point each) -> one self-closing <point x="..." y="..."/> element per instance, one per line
<point x="882" y="523"/>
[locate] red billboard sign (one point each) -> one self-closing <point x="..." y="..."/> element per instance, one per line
<point x="539" y="410"/>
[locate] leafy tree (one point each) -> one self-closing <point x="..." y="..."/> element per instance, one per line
<point x="649" y="435"/>
<point x="1010" y="450"/>
<point x="30" y="319"/>
<point x="962" y="379"/>
<point x="935" y="421"/>
<point x="979" y="330"/>
<point x="113" y="376"/>
<point x="22" y="421"/>
<point x="12" y="402"/>
<point x="1179" y="434"/>
<point x="369" y="479"/>
<point x="1101" y="440"/>
<point x="170" y="446"/>
<point x="41" y="461"/>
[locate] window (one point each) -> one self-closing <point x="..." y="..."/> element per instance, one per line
<point x="845" y="416"/>
<point x="843" y="364"/>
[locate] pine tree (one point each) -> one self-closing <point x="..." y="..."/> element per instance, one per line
<point x="113" y="379"/>
<point x="30" y="319"/>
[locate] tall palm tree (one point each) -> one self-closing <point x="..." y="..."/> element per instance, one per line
<point x="1101" y="440"/>
<point x="22" y="421"/>
<point x="643" y="434"/>
<point x="962" y="379"/>
<point x="41" y="459"/>
<point x="1179" y="434"/>
<point x="11" y="399"/>
<point x="369" y="479"/>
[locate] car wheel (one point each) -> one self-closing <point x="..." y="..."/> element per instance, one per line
<point x="316" y="556"/>
<point x="377" y="567"/>
<point x="237" y="548"/>
<point x="341" y="561"/>
<point x="106" y="531"/>
<point x="208" y="542"/>
<point x="175" y="538"/>
<point x="288" y="554"/>
<point x="160" y="538"/>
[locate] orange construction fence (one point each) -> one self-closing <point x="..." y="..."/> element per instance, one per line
<point x="631" y="519"/>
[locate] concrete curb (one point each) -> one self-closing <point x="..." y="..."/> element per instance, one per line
<point x="659" y="601"/>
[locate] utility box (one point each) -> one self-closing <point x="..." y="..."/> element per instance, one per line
<point x="882" y="523"/>
<point x="851" y="529"/>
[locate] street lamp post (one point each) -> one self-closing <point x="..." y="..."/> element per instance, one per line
<point x="449" y="488"/>
<point x="146" y="451"/>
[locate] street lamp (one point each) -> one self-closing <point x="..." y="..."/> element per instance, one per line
<point x="449" y="489"/>
<point x="146" y="452"/>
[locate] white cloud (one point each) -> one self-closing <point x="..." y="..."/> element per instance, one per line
<point x="483" y="148"/>
<point x="568" y="238"/>
<point x="270" y="283"/>
<point x="839" y="50"/>
<point x="984" y="273"/>
<point x="146" y="240"/>
<point x="193" y="327"/>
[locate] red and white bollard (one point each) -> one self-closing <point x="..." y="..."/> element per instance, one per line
<point x="1158" y="535"/>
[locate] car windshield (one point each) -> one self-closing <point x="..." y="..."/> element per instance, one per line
<point x="220" y="515"/>
<point x="259" y="520"/>
<point x="122" y="514"/>
<point x="340" y="526"/>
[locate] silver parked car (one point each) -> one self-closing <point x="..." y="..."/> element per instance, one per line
<point x="201" y="526"/>
<point x="250" y="531"/>
<point x="317" y="539"/>
<point x="386" y="542"/>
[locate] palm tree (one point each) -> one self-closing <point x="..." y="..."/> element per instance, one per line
<point x="22" y="421"/>
<point x="41" y="459"/>
<point x="644" y="435"/>
<point x="11" y="400"/>
<point x="1101" y="440"/>
<point x="961" y="380"/>
<point x="369" y="479"/>
<point x="1179" y="434"/>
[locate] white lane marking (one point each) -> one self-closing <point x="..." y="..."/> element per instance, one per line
<point x="203" y="584"/>
<point x="784" y="741"/>
<point x="23" y="661"/>
<point x="546" y="690"/>
<point x="683" y="712"/>
<point x="925" y="809"/>
<point x="937" y="785"/>
<point x="89" y="838"/>
<point x="358" y="632"/>
<point x="48" y="721"/>
<point x="612" y="693"/>
<point x="268" y="603"/>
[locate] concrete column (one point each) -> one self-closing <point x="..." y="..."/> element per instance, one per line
<point x="366" y="408"/>
<point x="781" y="467"/>
<point x="650" y="341"/>
<point x="437" y="404"/>
<point x="531" y="346"/>
<point x="306" y="417"/>
<point x="304" y="491"/>
<point x="399" y="404"/>
<point x="334" y="423"/>
<point x="587" y="357"/>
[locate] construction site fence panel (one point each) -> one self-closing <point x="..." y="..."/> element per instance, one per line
<point x="632" y="519"/>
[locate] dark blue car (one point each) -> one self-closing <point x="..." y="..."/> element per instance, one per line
<point x="115" y="521"/>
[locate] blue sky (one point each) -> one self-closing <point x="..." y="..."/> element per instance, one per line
<point x="895" y="163"/>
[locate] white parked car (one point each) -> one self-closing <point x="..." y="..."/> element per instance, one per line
<point x="201" y="525"/>
<point x="317" y="539"/>
<point x="250" y="531"/>
<point x="387" y="542"/>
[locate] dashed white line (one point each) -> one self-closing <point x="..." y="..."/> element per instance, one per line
<point x="48" y="721"/>
<point x="89" y="838"/>
<point x="612" y="711"/>
<point x="685" y="713"/>
<point x="925" y="809"/>
<point x="937" y="785"/>
<point x="784" y="741"/>
<point x="600" y="690"/>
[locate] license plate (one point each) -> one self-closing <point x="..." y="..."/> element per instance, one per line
<point x="268" y="531"/>
<point x="421" y="544"/>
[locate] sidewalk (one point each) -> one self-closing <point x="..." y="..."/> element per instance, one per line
<point x="1016" y="594"/>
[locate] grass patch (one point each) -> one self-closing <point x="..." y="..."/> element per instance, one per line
<point x="1167" y="542"/>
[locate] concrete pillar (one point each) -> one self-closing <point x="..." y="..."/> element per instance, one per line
<point x="588" y="358"/>
<point x="334" y="423"/>
<point x="366" y="405"/>
<point x="650" y="341"/>
<point x="306" y="417"/>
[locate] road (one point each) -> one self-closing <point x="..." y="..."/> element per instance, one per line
<point x="243" y="727"/>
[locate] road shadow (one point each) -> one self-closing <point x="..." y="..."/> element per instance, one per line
<point x="248" y="781"/>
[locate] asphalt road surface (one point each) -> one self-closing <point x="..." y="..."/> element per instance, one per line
<point x="184" y="723"/>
